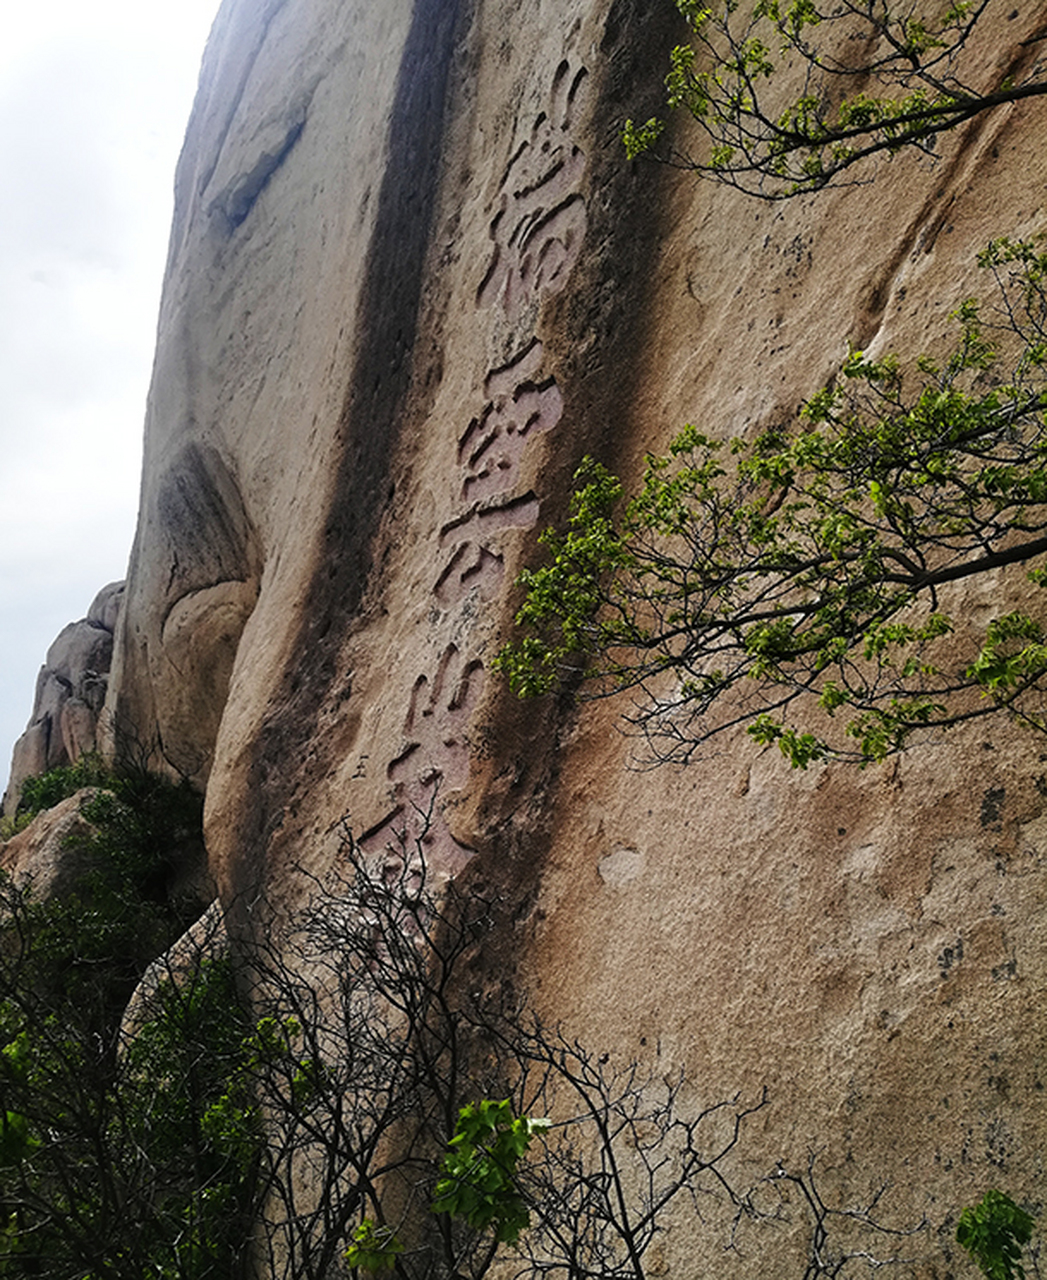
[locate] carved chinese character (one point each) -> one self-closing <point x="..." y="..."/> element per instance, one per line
<point x="434" y="758"/>
<point x="520" y="405"/>
<point x="541" y="220"/>
<point x="472" y="562"/>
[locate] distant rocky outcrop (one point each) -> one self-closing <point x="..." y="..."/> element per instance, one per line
<point x="70" y="694"/>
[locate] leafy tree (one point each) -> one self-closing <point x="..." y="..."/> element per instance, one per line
<point x="113" y="1167"/>
<point x="994" y="1232"/>
<point x="800" y="585"/>
<point x="792" y="95"/>
<point x="185" y="1101"/>
<point x="44" y="791"/>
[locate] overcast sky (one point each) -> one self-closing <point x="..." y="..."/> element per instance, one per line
<point x="94" y="100"/>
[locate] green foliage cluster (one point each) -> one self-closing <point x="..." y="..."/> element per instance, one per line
<point x="185" y="1086"/>
<point x="134" y="1163"/>
<point x="785" y="107"/>
<point x="479" y="1182"/>
<point x="45" y="790"/>
<point x="806" y="573"/>
<point x="994" y="1232"/>
<point x="122" y="911"/>
<point x="374" y="1249"/>
<point x="119" y="1160"/>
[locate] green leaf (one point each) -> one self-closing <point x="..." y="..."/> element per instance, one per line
<point x="374" y="1248"/>
<point x="479" y="1183"/>
<point x="994" y="1232"/>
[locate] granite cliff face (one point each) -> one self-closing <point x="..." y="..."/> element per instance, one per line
<point x="411" y="282"/>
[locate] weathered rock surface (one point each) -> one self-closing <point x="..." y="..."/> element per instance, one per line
<point x="411" y="282"/>
<point x="70" y="694"/>
<point x="47" y="856"/>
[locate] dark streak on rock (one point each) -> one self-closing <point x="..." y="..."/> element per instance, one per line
<point x="375" y="406"/>
<point x="241" y="200"/>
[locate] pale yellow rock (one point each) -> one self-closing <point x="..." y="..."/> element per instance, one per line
<point x="411" y="282"/>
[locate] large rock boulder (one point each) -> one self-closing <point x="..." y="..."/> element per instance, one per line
<point x="411" y="283"/>
<point x="70" y="695"/>
<point x="47" y="857"/>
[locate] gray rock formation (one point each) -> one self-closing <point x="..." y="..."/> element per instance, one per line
<point x="70" y="694"/>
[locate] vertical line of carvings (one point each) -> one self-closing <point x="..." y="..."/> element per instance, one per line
<point x="536" y="234"/>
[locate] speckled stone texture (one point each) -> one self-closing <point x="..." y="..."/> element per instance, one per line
<point x="411" y="282"/>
